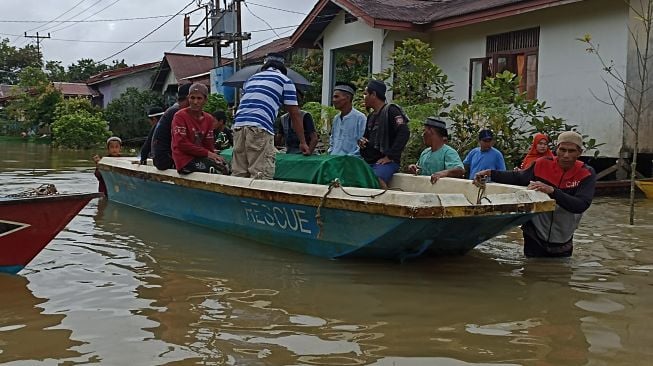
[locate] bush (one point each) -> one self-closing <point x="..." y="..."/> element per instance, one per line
<point x="73" y="105"/>
<point x="80" y="130"/>
<point x="127" y="115"/>
<point x="217" y="102"/>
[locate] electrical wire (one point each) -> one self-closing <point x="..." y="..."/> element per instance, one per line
<point x="147" y="35"/>
<point x="263" y="20"/>
<point x="84" y="21"/>
<point x="81" y="12"/>
<point x="88" y="17"/>
<point x="273" y="8"/>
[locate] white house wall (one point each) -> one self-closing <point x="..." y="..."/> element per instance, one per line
<point x="338" y="35"/>
<point x="567" y="74"/>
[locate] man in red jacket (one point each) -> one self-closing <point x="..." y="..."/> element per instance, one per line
<point x="193" y="143"/>
<point x="568" y="181"/>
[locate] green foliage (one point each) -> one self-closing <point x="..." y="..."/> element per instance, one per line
<point x="311" y="68"/>
<point x="80" y="130"/>
<point x="513" y="117"/>
<point x="72" y="105"/>
<point x="56" y="71"/>
<point x="83" y="69"/>
<point x="415" y="78"/>
<point x="127" y="115"/>
<point x="216" y="102"/>
<point x="35" y="99"/>
<point x="322" y="117"/>
<point x="13" y="60"/>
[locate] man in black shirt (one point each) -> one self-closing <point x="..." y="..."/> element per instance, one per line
<point x="153" y="115"/>
<point x="386" y="133"/>
<point x="162" y="137"/>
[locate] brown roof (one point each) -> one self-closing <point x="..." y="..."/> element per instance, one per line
<point x="279" y="45"/>
<point x="414" y="15"/>
<point x="112" y="74"/>
<point x="75" y="89"/>
<point x="184" y="65"/>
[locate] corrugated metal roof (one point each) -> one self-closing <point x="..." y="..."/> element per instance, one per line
<point x="75" y="89"/>
<point x="112" y="74"/>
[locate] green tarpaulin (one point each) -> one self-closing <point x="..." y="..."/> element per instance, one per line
<point x="322" y="169"/>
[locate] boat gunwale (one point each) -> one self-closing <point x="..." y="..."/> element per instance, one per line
<point x="371" y="207"/>
<point x="52" y="197"/>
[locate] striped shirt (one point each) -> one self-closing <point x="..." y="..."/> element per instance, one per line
<point x="263" y="94"/>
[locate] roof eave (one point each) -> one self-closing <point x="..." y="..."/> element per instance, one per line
<point x="497" y="13"/>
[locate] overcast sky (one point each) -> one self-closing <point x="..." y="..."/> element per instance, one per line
<point x="70" y="42"/>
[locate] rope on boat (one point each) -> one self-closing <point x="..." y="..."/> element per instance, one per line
<point x="42" y="190"/>
<point x="336" y="184"/>
<point x="481" y="184"/>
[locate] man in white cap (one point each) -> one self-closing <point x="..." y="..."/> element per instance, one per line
<point x="567" y="180"/>
<point x="348" y="126"/>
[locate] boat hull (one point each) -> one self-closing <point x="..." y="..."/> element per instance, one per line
<point x="27" y="225"/>
<point x="646" y="186"/>
<point x="333" y="233"/>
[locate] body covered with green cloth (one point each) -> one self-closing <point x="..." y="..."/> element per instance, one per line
<point x="351" y="171"/>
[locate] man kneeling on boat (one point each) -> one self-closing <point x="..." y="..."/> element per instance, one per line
<point x="568" y="181"/>
<point x="193" y="144"/>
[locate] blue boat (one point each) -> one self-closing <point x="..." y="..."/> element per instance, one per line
<point x="411" y="218"/>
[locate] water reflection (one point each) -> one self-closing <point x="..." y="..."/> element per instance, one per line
<point x="27" y="332"/>
<point x="124" y="287"/>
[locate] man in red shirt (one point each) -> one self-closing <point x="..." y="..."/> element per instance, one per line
<point x="193" y="143"/>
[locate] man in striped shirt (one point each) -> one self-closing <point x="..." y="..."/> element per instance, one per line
<point x="254" y="154"/>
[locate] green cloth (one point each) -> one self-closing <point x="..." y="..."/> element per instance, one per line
<point x="321" y="169"/>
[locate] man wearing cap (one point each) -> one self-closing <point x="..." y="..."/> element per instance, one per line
<point x="386" y="133"/>
<point x="438" y="160"/>
<point x="254" y="154"/>
<point x="193" y="143"/>
<point x="567" y="180"/>
<point x="153" y="116"/>
<point x="485" y="156"/>
<point x="162" y="136"/>
<point x="348" y="125"/>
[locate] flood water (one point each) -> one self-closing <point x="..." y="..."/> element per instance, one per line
<point x="124" y="287"/>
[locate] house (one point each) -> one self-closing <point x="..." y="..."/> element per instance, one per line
<point x="536" y="39"/>
<point x="112" y="83"/>
<point x="68" y="90"/>
<point x="174" y="68"/>
<point x="281" y="45"/>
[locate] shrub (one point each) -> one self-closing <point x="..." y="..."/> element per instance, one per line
<point x="80" y="130"/>
<point x="127" y="115"/>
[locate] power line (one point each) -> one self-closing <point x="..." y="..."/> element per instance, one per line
<point x="263" y="20"/>
<point x="273" y="8"/>
<point x="59" y="16"/>
<point x="85" y="21"/>
<point x="148" y="34"/>
<point x="81" y="12"/>
<point x="88" y="17"/>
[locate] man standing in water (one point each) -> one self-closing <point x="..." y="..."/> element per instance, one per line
<point x="564" y="178"/>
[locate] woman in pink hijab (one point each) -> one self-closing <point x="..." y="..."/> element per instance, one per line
<point x="540" y="148"/>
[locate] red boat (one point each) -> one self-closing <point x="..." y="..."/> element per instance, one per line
<point x="28" y="224"/>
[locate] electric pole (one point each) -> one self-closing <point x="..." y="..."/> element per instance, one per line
<point x="38" y="44"/>
<point x="217" y="50"/>
<point x="239" y="31"/>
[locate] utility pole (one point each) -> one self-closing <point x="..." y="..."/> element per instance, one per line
<point x="217" y="50"/>
<point x="239" y="31"/>
<point x="38" y="44"/>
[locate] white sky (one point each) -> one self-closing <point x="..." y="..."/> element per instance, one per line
<point x="91" y="40"/>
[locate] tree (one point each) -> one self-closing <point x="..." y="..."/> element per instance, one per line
<point x="13" y="60"/>
<point x="415" y="78"/>
<point x="627" y="93"/>
<point x="127" y="115"/>
<point x="56" y="71"/>
<point x="80" y="130"/>
<point x="35" y="98"/>
<point x="311" y="68"/>
<point x="83" y="69"/>
<point x="216" y="102"/>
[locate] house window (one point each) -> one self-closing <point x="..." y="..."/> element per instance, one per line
<point x="516" y="52"/>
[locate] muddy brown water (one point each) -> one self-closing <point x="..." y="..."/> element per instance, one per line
<point x="124" y="287"/>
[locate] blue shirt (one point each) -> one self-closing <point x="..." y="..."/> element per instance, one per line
<point x="444" y="158"/>
<point x="480" y="160"/>
<point x="263" y="94"/>
<point x="345" y="133"/>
